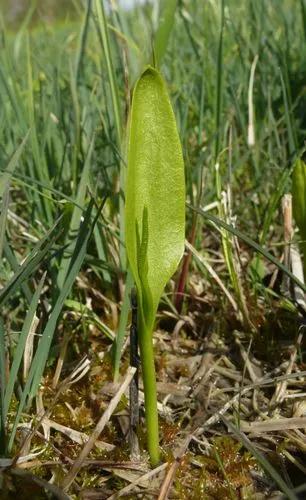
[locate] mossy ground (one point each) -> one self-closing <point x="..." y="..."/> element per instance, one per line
<point x="235" y="330"/>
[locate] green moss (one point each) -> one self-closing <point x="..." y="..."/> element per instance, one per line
<point x="224" y="473"/>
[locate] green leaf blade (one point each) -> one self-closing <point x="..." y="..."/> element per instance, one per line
<point x="299" y="203"/>
<point x="155" y="190"/>
<point x="298" y="196"/>
<point x="164" y="29"/>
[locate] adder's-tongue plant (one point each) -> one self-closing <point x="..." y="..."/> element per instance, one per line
<point x="155" y="218"/>
<point x="299" y="203"/>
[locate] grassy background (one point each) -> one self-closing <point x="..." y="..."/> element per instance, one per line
<point x="64" y="99"/>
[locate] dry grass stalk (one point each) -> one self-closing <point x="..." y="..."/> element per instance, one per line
<point x="146" y="477"/>
<point x="29" y="347"/>
<point x="98" y="429"/>
<point x="277" y="424"/>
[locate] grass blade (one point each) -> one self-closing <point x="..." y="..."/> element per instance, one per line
<point x="3" y="215"/>
<point x="21" y="345"/>
<point x="7" y="173"/>
<point x="218" y="222"/>
<point x="218" y="109"/>
<point x="163" y="32"/>
<point x="75" y="218"/>
<point x="83" y="40"/>
<point x="103" y="28"/>
<point x="3" y="386"/>
<point x="13" y="262"/>
<point x="90" y="316"/>
<point x="41" y="355"/>
<point x="75" y="265"/>
<point x="124" y="314"/>
<point x="31" y="264"/>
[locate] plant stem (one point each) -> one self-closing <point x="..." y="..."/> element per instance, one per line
<point x="134" y="397"/>
<point x="149" y="383"/>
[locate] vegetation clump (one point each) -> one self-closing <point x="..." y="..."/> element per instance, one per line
<point x="159" y="148"/>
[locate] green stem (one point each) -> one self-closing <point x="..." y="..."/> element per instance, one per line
<point x="149" y="383"/>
